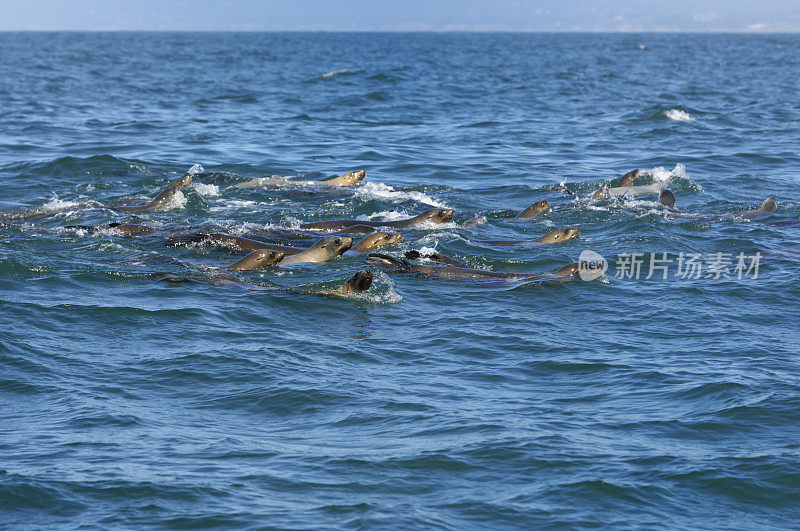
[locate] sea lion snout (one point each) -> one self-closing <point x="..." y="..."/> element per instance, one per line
<point x="445" y="214"/>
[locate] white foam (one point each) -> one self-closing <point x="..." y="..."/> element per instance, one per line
<point x="386" y="215"/>
<point x="56" y="204"/>
<point x="197" y="168"/>
<point x="427" y="250"/>
<point x="382" y="290"/>
<point x="176" y="202"/>
<point x="661" y="175"/>
<point x="334" y="73"/>
<point x="384" y="192"/>
<point x="678" y="115"/>
<point x="206" y="190"/>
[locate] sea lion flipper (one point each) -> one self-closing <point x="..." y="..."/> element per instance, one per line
<point x="628" y="178"/>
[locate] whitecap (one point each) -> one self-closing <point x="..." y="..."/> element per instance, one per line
<point x="57" y="204"/>
<point x="384" y="192"/>
<point x="197" y="168"/>
<point x="206" y="190"/>
<point x="177" y="201"/>
<point x="334" y="73"/>
<point x="678" y="115"/>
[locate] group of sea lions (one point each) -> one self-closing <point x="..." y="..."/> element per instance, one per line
<point x="261" y="253"/>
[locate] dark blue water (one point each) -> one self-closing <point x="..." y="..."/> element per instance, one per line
<point x="621" y="402"/>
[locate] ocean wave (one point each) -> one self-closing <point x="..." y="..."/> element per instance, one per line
<point x="678" y="115"/>
<point x="334" y="73"/>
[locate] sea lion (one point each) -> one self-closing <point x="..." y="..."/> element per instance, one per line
<point x="257" y="260"/>
<point x="348" y="179"/>
<point x="474" y="222"/>
<point x="561" y="187"/>
<point x="451" y="272"/>
<point x="628" y="178"/>
<point x="359" y="282"/>
<point x="554" y="236"/>
<point x="434" y="215"/>
<point x="239" y="243"/>
<point x="128" y="229"/>
<point x="667" y="198"/>
<point x="161" y="199"/>
<point x="377" y="240"/>
<point x="534" y="210"/>
<point x="322" y="251"/>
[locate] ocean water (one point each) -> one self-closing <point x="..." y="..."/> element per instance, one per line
<point x="423" y="403"/>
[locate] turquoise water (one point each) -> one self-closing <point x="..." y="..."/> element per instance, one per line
<point x="624" y="402"/>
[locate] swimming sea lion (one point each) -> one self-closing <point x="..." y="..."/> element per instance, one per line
<point x="534" y="210"/>
<point x="628" y="178"/>
<point x="450" y="272"/>
<point x="361" y="281"/>
<point x="161" y="199"/>
<point x="257" y="260"/>
<point x="128" y="229"/>
<point x="667" y="198"/>
<point x="474" y="222"/>
<point x="554" y="236"/>
<point x="434" y="215"/>
<point x="348" y="179"/>
<point x="558" y="188"/>
<point x="378" y="240"/>
<point x="240" y="244"/>
<point x="322" y="251"/>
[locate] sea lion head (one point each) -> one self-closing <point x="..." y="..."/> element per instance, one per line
<point x="628" y="178"/>
<point x="378" y="240"/>
<point x="180" y="183"/>
<point x="436" y="215"/>
<point x="568" y="270"/>
<point x="361" y="281"/>
<point x="333" y="246"/>
<point x="560" y="235"/>
<point x="769" y="205"/>
<point x="535" y="209"/>
<point x="667" y="198"/>
<point x="354" y="177"/>
<point x="258" y="259"/>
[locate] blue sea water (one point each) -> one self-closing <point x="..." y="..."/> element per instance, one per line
<point x="424" y="403"/>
